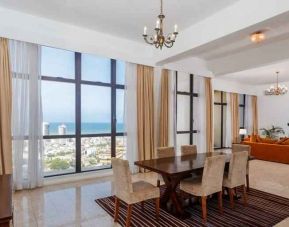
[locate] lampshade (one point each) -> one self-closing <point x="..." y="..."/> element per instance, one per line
<point x="243" y="131"/>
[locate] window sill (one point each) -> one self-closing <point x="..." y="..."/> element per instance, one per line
<point x="77" y="177"/>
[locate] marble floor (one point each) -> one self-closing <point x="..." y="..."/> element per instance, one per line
<point x="72" y="204"/>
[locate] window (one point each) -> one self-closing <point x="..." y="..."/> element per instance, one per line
<point x="220" y="116"/>
<point x="220" y="109"/>
<point x="83" y="98"/>
<point x="185" y="106"/>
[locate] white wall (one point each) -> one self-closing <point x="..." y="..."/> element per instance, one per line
<point x="273" y="110"/>
<point x="232" y="86"/>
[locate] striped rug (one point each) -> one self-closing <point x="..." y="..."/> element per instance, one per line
<point x="264" y="209"/>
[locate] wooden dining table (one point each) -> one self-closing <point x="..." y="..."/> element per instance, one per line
<point x="174" y="169"/>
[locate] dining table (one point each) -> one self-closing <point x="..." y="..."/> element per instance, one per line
<point x="176" y="168"/>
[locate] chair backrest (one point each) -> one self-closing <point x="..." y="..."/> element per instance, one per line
<point x="241" y="147"/>
<point x="213" y="174"/>
<point x="188" y="149"/>
<point x="237" y="168"/>
<point x="122" y="177"/>
<point x="165" y="152"/>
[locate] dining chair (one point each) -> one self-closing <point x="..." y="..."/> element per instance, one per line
<point x="164" y="152"/>
<point x="188" y="149"/>
<point x="237" y="175"/>
<point x="131" y="193"/>
<point x="243" y="147"/>
<point x="210" y="182"/>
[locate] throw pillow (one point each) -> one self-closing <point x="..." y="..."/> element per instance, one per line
<point x="286" y="142"/>
<point x="282" y="140"/>
<point x="253" y="139"/>
<point x="267" y="140"/>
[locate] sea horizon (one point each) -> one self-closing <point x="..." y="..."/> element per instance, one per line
<point x="86" y="127"/>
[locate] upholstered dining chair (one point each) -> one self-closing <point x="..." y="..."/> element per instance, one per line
<point x="131" y="193"/>
<point x="188" y="149"/>
<point x="164" y="152"/>
<point x="243" y="147"/>
<point x="237" y="175"/>
<point x="208" y="184"/>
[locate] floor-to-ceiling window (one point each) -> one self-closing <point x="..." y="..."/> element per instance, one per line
<point x="83" y="100"/>
<point x="185" y="108"/>
<point x="220" y="117"/>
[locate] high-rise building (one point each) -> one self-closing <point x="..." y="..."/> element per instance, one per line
<point x="45" y="128"/>
<point x="62" y="129"/>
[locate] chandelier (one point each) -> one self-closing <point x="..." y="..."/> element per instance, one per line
<point x="278" y="89"/>
<point x="159" y="39"/>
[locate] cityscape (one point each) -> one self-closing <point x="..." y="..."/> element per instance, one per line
<point x="59" y="154"/>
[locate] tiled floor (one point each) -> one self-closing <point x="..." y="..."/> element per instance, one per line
<point x="72" y="204"/>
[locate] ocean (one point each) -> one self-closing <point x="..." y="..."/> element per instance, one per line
<point x="86" y="128"/>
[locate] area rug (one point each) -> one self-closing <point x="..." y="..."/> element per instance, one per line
<point x="264" y="209"/>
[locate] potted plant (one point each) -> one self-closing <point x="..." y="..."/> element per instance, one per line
<point x="273" y="132"/>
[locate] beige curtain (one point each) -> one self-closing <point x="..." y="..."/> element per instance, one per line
<point x="5" y="109"/>
<point x="234" y="98"/>
<point x="255" y="115"/>
<point x="209" y="114"/>
<point x="164" y="110"/>
<point x="145" y="111"/>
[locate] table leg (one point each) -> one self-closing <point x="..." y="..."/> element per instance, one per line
<point x="170" y="192"/>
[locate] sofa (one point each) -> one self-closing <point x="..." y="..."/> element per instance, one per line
<point x="269" y="151"/>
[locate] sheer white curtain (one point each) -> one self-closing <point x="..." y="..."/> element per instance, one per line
<point x="26" y="115"/>
<point x="248" y="115"/>
<point x="130" y="114"/>
<point x="228" y="123"/>
<point x="200" y="114"/>
<point x="172" y="110"/>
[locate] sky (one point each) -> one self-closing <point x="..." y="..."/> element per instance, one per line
<point x="58" y="98"/>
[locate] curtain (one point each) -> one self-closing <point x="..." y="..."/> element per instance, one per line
<point x="209" y="114"/>
<point x="130" y="115"/>
<point x="164" y="110"/>
<point x="172" y="110"/>
<point x="145" y="112"/>
<point x="228" y="122"/>
<point x="5" y="109"/>
<point x="200" y="114"/>
<point x="234" y="99"/>
<point x="248" y="115"/>
<point x="255" y="115"/>
<point x="26" y="115"/>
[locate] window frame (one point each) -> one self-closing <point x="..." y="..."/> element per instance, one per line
<point x="191" y="94"/>
<point x="77" y="81"/>
<point x="222" y="104"/>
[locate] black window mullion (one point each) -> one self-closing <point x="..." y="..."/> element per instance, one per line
<point x="113" y="107"/>
<point x="222" y="121"/>
<point x="191" y="108"/>
<point x="78" y="111"/>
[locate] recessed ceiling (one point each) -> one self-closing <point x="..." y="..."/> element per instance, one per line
<point x="124" y="18"/>
<point x="261" y="75"/>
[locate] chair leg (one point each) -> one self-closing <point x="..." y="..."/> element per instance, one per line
<point x="247" y="182"/>
<point x="142" y="206"/>
<point x="116" y="211"/>
<point x="158" y="183"/>
<point x="244" y="195"/>
<point x="129" y="209"/>
<point x="157" y="200"/>
<point x="220" y="201"/>
<point x="204" y="208"/>
<point x="231" y="195"/>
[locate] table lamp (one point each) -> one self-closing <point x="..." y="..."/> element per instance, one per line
<point x="242" y="133"/>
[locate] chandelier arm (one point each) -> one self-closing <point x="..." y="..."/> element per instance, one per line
<point x="146" y="38"/>
<point x="169" y="45"/>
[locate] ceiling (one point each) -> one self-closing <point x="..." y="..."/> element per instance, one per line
<point x="124" y="18"/>
<point x="261" y="75"/>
